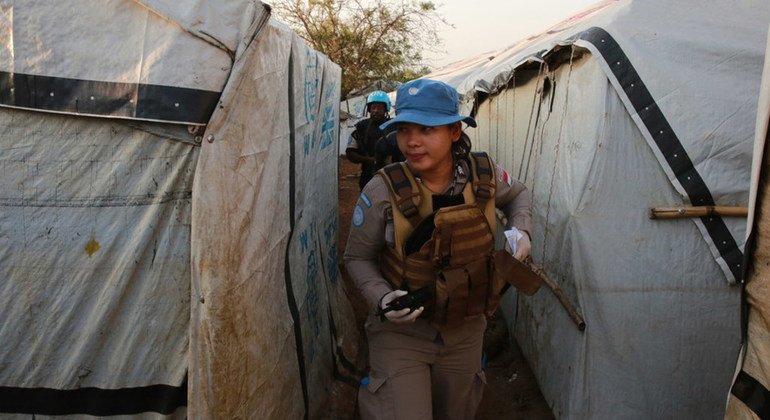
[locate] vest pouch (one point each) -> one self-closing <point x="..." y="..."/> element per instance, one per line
<point x="478" y="284"/>
<point x="451" y="298"/>
<point x="419" y="272"/>
<point x="438" y="315"/>
<point x="412" y="273"/>
<point x="499" y="283"/>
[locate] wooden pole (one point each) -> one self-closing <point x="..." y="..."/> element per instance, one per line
<point x="697" y="211"/>
<point x="562" y="298"/>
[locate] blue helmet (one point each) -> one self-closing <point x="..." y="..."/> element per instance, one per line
<point x="378" y="96"/>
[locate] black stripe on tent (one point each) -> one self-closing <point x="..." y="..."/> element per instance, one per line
<point x="338" y="356"/>
<point x="753" y="394"/>
<point x="291" y="299"/>
<point x="164" y="399"/>
<point x="337" y="353"/>
<point x="108" y="99"/>
<point x="667" y="142"/>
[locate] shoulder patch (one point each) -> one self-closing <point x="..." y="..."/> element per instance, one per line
<point x="502" y="175"/>
<point x="358" y="216"/>
<point x="365" y="199"/>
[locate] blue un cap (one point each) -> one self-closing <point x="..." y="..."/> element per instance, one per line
<point x="427" y="102"/>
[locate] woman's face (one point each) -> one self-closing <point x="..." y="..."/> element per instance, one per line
<point x="427" y="149"/>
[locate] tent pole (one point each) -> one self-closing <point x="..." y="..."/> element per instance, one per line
<point x="559" y="293"/>
<point x="697" y="211"/>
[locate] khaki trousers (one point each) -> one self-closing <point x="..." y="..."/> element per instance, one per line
<point x="415" y="377"/>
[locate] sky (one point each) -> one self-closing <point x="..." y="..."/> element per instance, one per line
<point x="486" y="25"/>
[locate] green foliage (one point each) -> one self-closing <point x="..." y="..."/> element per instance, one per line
<point x="369" y="40"/>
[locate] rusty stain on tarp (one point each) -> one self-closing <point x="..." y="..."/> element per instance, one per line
<point x="92" y="246"/>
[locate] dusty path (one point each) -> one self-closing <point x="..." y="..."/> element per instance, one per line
<point x="511" y="392"/>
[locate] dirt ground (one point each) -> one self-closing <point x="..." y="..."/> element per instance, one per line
<point x="512" y="391"/>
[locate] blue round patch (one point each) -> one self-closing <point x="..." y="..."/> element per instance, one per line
<point x="358" y="216"/>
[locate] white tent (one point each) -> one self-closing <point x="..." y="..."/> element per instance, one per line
<point x="749" y="395"/>
<point x="160" y="253"/>
<point x="628" y="106"/>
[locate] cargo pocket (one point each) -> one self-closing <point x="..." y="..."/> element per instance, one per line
<point x="477" y="391"/>
<point x="374" y="400"/>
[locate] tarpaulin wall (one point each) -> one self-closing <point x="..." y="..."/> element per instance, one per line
<point x="95" y="223"/>
<point x="329" y="341"/>
<point x="96" y="212"/>
<point x="265" y="273"/>
<point x="650" y="293"/>
<point x="749" y="396"/>
<point x="118" y="229"/>
<point x="628" y="106"/>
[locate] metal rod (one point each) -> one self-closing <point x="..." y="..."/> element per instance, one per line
<point x="561" y="297"/>
<point x="697" y="211"/>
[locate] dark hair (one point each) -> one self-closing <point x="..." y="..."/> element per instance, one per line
<point x="462" y="147"/>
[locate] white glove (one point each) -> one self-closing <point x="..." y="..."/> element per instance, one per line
<point x="517" y="243"/>
<point x="403" y="315"/>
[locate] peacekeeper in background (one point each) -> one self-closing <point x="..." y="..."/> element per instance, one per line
<point x="429" y="224"/>
<point x="363" y="140"/>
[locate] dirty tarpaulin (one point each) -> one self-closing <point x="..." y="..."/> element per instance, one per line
<point x="123" y="218"/>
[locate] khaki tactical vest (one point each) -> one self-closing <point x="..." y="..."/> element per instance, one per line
<point x="456" y="258"/>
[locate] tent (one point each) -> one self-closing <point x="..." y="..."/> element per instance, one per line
<point x="749" y="395"/>
<point x="626" y="107"/>
<point x="161" y="254"/>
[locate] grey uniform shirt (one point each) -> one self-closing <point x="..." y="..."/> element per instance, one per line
<point x="371" y="229"/>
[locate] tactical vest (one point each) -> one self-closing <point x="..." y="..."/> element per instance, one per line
<point x="454" y="259"/>
<point x="370" y="132"/>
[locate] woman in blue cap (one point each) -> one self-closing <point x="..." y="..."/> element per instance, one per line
<point x="421" y="250"/>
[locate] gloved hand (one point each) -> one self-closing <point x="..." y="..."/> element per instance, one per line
<point x="523" y="247"/>
<point x="517" y="243"/>
<point x="401" y="316"/>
